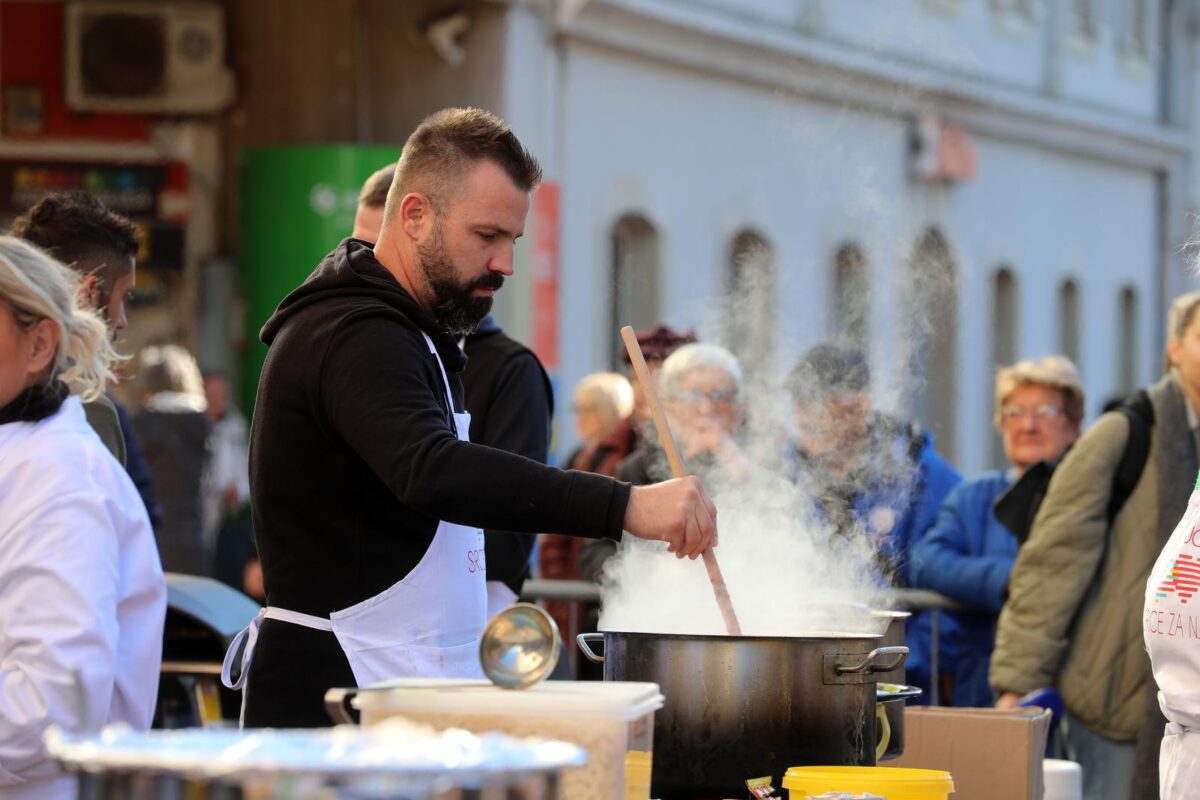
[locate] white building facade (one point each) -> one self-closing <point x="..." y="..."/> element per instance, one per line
<point x="950" y="184"/>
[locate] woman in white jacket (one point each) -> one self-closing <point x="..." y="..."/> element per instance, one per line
<point x="82" y="598"/>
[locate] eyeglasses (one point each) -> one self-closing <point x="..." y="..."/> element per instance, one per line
<point x="714" y="396"/>
<point x="1009" y="414"/>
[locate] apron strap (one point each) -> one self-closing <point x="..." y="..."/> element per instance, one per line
<point x="249" y="636"/>
<point x="442" y="367"/>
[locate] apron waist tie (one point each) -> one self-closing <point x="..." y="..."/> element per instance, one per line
<point x="249" y="636"/>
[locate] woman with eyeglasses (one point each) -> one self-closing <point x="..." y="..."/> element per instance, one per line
<point x="968" y="554"/>
<point x="82" y="598"/>
<point x="700" y="384"/>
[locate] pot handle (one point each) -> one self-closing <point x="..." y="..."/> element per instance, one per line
<point x="885" y="732"/>
<point x="870" y="662"/>
<point x="584" y="641"/>
<point x="337" y="705"/>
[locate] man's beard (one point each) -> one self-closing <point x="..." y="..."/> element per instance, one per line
<point x="455" y="305"/>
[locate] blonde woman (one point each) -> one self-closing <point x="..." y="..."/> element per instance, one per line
<point x="603" y="400"/>
<point x="82" y="599"/>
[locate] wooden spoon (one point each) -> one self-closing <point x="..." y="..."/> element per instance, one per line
<point x="668" y="444"/>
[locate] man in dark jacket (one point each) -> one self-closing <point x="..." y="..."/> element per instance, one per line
<point x="508" y="392"/>
<point x="367" y="497"/>
<point x="508" y="395"/>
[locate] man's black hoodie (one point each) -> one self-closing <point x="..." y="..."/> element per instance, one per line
<point x="353" y="457"/>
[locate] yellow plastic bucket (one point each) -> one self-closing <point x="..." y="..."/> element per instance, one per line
<point x="890" y="782"/>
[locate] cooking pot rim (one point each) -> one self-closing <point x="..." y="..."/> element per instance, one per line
<point x="822" y="637"/>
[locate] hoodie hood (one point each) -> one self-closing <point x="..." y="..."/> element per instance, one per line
<point x="350" y="278"/>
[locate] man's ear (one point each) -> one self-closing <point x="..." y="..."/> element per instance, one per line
<point x="43" y="339"/>
<point x="89" y="292"/>
<point x="1174" y="346"/>
<point x="416" y="214"/>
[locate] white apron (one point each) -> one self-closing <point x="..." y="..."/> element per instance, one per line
<point x="427" y="625"/>
<point x="499" y="597"/>
<point x="1171" y="626"/>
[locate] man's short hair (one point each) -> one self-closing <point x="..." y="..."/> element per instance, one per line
<point x="828" y="369"/>
<point x="81" y="232"/>
<point x="375" y="191"/>
<point x="445" y="145"/>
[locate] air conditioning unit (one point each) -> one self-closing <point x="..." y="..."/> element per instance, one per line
<point x="149" y="57"/>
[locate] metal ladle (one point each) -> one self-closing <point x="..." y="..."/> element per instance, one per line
<point x="520" y="646"/>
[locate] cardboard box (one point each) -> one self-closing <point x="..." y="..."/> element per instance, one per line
<point x="991" y="754"/>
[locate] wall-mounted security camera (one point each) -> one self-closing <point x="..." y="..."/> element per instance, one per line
<point x="444" y="33"/>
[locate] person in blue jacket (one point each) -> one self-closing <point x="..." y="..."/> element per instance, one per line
<point x="969" y="553"/>
<point x="867" y="473"/>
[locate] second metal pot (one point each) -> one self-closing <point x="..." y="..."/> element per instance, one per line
<point x="742" y="707"/>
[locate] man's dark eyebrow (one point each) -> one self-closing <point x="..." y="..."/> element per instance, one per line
<point x="499" y="229"/>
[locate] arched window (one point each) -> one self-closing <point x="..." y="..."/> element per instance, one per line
<point x="1004" y="341"/>
<point x="1004" y="320"/>
<point x="849" y="321"/>
<point x="1127" y="341"/>
<point x="1068" y="320"/>
<point x="933" y="298"/>
<point x="751" y="316"/>
<point x="635" y="278"/>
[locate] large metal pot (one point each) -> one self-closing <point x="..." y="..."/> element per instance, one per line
<point x="745" y="707"/>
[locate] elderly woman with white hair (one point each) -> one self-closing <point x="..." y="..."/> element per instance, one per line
<point x="701" y="388"/>
<point x="82" y="601"/>
<point x="968" y="554"/>
<point x="700" y="385"/>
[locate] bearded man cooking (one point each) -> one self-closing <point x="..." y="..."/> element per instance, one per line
<point x="368" y="497"/>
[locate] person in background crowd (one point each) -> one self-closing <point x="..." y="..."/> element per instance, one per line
<point x="368" y="217"/>
<point x="174" y="432"/>
<point x="1073" y="617"/>
<point x="101" y="246"/>
<point x="700" y="386"/>
<point x="657" y="344"/>
<point x="867" y="473"/>
<point x="508" y="395"/>
<point x="83" y="600"/>
<point x="969" y="553"/>
<point x="227" y="527"/>
<point x="602" y="401"/>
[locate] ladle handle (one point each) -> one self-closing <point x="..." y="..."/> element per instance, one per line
<point x="672" y="450"/>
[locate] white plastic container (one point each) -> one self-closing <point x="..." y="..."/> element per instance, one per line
<point x="613" y="721"/>
<point x="1063" y="780"/>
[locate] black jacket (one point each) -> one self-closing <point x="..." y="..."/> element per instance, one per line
<point x="353" y="458"/>
<point x="175" y="447"/>
<point x="511" y="402"/>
